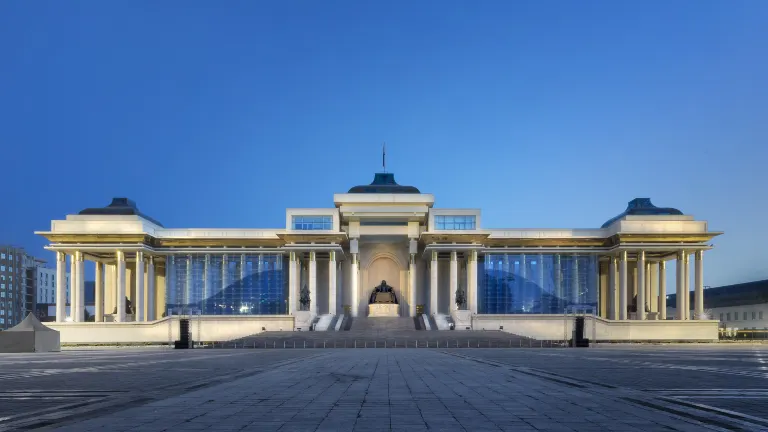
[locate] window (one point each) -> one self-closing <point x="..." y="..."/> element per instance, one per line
<point x="728" y="316"/>
<point x="455" y="222"/>
<point x="721" y="317"/>
<point x="2" y="321"/>
<point x="754" y="315"/>
<point x="760" y="315"/>
<point x="312" y="223"/>
<point x="2" y="268"/>
<point x="2" y="256"/>
<point x="744" y="315"/>
<point x="2" y="294"/>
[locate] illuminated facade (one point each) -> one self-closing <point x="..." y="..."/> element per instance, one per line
<point x="431" y="256"/>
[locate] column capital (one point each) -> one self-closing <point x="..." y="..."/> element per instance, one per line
<point x="292" y="256"/>
<point x="434" y="255"/>
<point x="333" y="255"/>
<point x="699" y="255"/>
<point x="614" y="259"/>
<point x="61" y="256"/>
<point x="473" y="255"/>
<point x="150" y="260"/>
<point x="662" y="264"/>
<point x="453" y="255"/>
<point x="641" y="255"/>
<point x="120" y="255"/>
<point x="78" y="256"/>
<point x="312" y="255"/>
<point x="623" y="255"/>
<point x="139" y="255"/>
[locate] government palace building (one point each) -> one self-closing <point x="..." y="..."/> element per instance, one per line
<point x="381" y="250"/>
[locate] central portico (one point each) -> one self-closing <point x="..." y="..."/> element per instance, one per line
<point x="382" y="222"/>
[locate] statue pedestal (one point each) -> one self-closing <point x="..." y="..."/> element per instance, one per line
<point x="383" y="310"/>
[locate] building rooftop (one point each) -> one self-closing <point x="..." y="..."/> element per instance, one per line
<point x="742" y="294"/>
<point x="642" y="207"/>
<point x="119" y="207"/>
<point x="384" y="183"/>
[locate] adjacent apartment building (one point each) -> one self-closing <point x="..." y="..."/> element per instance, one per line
<point x="24" y="282"/>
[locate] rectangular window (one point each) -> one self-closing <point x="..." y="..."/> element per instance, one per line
<point x="744" y="316"/>
<point x="721" y="317"/>
<point x="754" y="315"/>
<point x="312" y="223"/>
<point x="728" y="316"/>
<point x="455" y="222"/>
<point x="760" y="315"/>
<point x="2" y="256"/>
<point x="2" y="268"/>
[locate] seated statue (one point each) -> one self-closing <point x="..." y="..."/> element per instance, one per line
<point x="383" y="294"/>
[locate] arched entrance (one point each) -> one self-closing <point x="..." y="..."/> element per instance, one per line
<point x="383" y="267"/>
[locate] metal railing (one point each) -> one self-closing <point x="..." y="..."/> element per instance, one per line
<point x="388" y="343"/>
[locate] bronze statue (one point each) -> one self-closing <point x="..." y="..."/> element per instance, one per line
<point x="383" y="294"/>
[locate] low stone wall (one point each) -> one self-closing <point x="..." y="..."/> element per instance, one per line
<point x="558" y="327"/>
<point x="210" y="328"/>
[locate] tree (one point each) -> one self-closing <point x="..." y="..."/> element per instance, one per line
<point x="304" y="298"/>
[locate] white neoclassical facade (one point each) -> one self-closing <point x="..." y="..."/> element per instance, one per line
<point x="438" y="261"/>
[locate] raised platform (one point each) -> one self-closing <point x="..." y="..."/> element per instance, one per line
<point x="539" y="327"/>
<point x="383" y="310"/>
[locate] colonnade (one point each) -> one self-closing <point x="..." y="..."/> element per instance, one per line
<point x="294" y="282"/>
<point x="110" y="287"/>
<point x="651" y="287"/>
<point x="471" y="274"/>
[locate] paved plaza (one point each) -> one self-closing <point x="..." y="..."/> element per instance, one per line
<point x="621" y="388"/>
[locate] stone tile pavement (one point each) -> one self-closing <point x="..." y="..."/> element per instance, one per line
<point x="417" y="389"/>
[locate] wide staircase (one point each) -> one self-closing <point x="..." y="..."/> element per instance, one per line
<point x="366" y="332"/>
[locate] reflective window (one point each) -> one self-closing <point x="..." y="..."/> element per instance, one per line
<point x="745" y="316"/>
<point x="728" y="316"/>
<point x="721" y="317"/>
<point x="760" y="315"/>
<point x="754" y="315"/>
<point x="536" y="284"/>
<point x="312" y="223"/>
<point x="227" y="284"/>
<point x="455" y="222"/>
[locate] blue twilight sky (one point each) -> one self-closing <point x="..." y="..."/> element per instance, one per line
<point x="543" y="114"/>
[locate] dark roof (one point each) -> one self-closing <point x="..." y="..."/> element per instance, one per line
<point x="384" y="183"/>
<point x="742" y="294"/>
<point x="643" y="207"/>
<point x="119" y="207"/>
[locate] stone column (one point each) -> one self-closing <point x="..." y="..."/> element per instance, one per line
<point x="313" y="282"/>
<point x="612" y="288"/>
<point x="151" y="295"/>
<point x="99" y="293"/>
<point x="648" y="285"/>
<point x="454" y="282"/>
<point x="653" y="276"/>
<point x="623" y="285"/>
<point x="139" y="303"/>
<point x="687" y="279"/>
<point x="355" y="285"/>
<point x="680" y="285"/>
<point x="293" y="282"/>
<point x="540" y="280"/>
<point x="61" y="286"/>
<point x="575" y="286"/>
<point x="640" y="314"/>
<point x="120" y="299"/>
<point x="80" y="287"/>
<point x="433" y="285"/>
<point x="412" y="286"/>
<point x="73" y="287"/>
<point x="332" y="284"/>
<point x="472" y="285"/>
<point x="662" y="290"/>
<point x="699" y="286"/>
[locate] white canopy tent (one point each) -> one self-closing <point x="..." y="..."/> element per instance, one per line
<point x="30" y="335"/>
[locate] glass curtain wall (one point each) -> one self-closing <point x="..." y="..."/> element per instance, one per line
<point x="230" y="284"/>
<point x="536" y="283"/>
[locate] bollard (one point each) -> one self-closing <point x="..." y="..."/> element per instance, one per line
<point x="273" y="344"/>
<point x="283" y="344"/>
<point x="323" y="344"/>
<point x="355" y="343"/>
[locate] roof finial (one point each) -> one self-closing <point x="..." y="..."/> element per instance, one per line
<point x="384" y="156"/>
